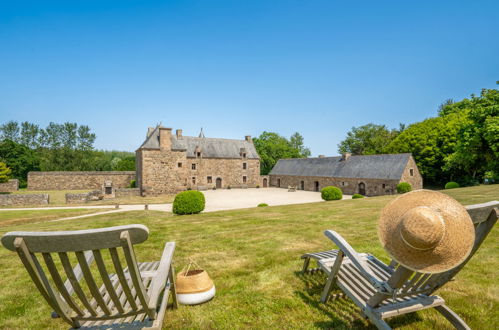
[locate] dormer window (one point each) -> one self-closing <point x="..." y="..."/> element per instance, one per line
<point x="198" y="154"/>
<point x="244" y="155"/>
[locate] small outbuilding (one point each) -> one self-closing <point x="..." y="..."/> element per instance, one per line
<point x="369" y="175"/>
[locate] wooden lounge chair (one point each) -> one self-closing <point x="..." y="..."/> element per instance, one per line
<point x="382" y="291"/>
<point x="134" y="296"/>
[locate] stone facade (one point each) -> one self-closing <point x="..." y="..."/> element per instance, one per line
<point x="9" y="186"/>
<point x="403" y="165"/>
<point x="24" y="199"/>
<point x="169" y="163"/>
<point x="78" y="180"/>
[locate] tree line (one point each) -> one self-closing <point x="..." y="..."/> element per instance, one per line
<point x="27" y="147"/>
<point x="460" y="144"/>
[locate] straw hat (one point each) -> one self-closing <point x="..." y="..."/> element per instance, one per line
<point x="426" y="231"/>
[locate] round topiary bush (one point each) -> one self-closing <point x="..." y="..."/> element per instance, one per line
<point x="404" y="187"/>
<point x="355" y="196"/>
<point x="262" y="205"/>
<point x="188" y="202"/>
<point x="331" y="193"/>
<point x="452" y="185"/>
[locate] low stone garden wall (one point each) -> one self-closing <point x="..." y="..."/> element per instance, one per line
<point x="9" y="186"/>
<point x="82" y="198"/>
<point x="78" y="180"/>
<point x="24" y="199"/>
<point x="126" y="192"/>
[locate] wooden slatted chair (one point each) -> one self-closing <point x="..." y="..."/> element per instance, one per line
<point x="382" y="291"/>
<point x="132" y="297"/>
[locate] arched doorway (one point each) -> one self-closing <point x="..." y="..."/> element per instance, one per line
<point x="302" y="185"/>
<point x="265" y="183"/>
<point x="362" y="188"/>
<point x="219" y="183"/>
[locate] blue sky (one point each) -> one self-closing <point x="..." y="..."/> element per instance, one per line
<point x="241" y="67"/>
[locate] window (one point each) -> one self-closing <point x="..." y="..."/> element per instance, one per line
<point x="244" y="155"/>
<point x="383" y="186"/>
<point x="198" y="154"/>
<point x="193" y="180"/>
<point x="244" y="179"/>
<point x="209" y="180"/>
<point x="193" y="166"/>
<point x="411" y="171"/>
<point x="343" y="183"/>
<point x="179" y="164"/>
<point x="244" y="166"/>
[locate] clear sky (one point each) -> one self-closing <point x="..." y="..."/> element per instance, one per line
<point x="241" y="67"/>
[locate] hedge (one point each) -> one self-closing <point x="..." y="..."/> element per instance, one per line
<point x="262" y="205"/>
<point x="452" y="185"/>
<point x="331" y="193"/>
<point x="188" y="202"/>
<point x="404" y="187"/>
<point x="355" y="196"/>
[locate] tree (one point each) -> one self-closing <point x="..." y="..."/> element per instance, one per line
<point x="271" y="147"/>
<point x="29" y="135"/>
<point x="20" y="159"/>
<point x="4" y="173"/>
<point x="430" y="142"/>
<point x="477" y="147"/>
<point x="10" y="131"/>
<point x="368" y="139"/>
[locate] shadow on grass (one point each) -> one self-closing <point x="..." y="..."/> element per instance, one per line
<point x="341" y="311"/>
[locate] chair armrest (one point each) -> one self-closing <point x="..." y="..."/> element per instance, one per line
<point x="359" y="263"/>
<point x="159" y="281"/>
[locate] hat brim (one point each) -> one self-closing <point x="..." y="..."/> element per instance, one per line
<point x="455" y="245"/>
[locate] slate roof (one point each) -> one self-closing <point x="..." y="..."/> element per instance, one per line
<point x="390" y="166"/>
<point x="210" y="147"/>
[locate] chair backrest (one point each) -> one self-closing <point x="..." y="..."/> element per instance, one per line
<point x="405" y="282"/>
<point x="57" y="249"/>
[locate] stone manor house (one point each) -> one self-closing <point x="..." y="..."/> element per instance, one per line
<point x="167" y="163"/>
<point x="369" y="175"/>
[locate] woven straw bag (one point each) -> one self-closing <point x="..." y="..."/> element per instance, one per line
<point x="194" y="285"/>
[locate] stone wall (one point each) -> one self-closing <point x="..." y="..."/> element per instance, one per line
<point x="78" y="180"/>
<point x="411" y="174"/>
<point x="81" y="198"/>
<point x="9" y="186"/>
<point x="126" y="192"/>
<point x="24" y="199"/>
<point x="349" y="186"/>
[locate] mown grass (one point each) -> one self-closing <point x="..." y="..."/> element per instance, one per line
<point x="253" y="257"/>
<point x="58" y="198"/>
<point x="9" y="218"/>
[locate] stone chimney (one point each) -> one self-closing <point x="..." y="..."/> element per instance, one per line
<point x="345" y="156"/>
<point x="321" y="156"/>
<point x="149" y="131"/>
<point x="248" y="138"/>
<point x="179" y="134"/>
<point x="165" y="138"/>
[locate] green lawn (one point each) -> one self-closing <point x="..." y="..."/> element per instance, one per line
<point x="253" y="258"/>
<point x="10" y="218"/>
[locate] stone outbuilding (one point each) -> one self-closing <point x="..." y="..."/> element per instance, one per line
<point x="369" y="175"/>
<point x="167" y="163"/>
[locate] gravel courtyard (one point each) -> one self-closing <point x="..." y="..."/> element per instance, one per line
<point x="225" y="199"/>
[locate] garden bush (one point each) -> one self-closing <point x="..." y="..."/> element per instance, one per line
<point x="404" y="187"/>
<point x="331" y="193"/>
<point x="452" y="185"/>
<point x="188" y="202"/>
<point x="132" y="184"/>
<point x="355" y="196"/>
<point x="262" y="205"/>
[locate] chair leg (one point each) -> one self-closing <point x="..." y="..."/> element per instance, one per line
<point x="173" y="287"/>
<point x="327" y="288"/>
<point x="452" y="317"/>
<point x="306" y="262"/>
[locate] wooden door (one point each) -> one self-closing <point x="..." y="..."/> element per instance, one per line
<point x="219" y="183"/>
<point x="362" y="188"/>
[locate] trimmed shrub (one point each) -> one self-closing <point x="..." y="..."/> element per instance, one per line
<point x="188" y="202"/>
<point x="355" y="196"/>
<point x="262" y="205"/>
<point x="4" y="173"/>
<point x="132" y="184"/>
<point x="452" y="185"/>
<point x="331" y="193"/>
<point x="404" y="187"/>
